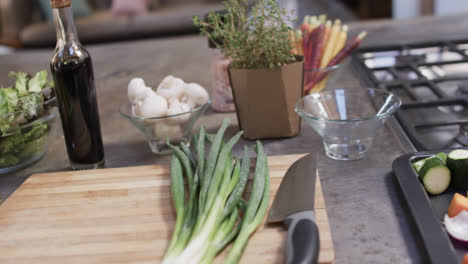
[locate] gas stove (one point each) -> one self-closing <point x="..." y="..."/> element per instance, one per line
<point x="432" y="81"/>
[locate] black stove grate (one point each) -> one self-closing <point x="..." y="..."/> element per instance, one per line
<point x="432" y="80"/>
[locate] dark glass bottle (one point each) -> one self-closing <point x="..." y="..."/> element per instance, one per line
<point x="72" y="71"/>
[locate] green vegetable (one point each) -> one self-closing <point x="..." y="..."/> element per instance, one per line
<point x="8" y="160"/>
<point x="8" y="104"/>
<point x="178" y="196"/>
<point x="420" y="163"/>
<point x="32" y="148"/>
<point x="434" y="175"/>
<point x="21" y="134"/>
<point x="457" y="162"/>
<point x="29" y="104"/>
<point x="8" y="100"/>
<point x="256" y="208"/>
<point x="23" y="99"/>
<point x="21" y="82"/>
<point x="37" y="82"/>
<point x="240" y="186"/>
<point x="188" y="152"/>
<point x="16" y="143"/>
<point x="211" y="162"/>
<point x="209" y="219"/>
<point x="21" y="146"/>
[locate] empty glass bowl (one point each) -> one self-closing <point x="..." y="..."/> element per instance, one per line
<point x="158" y="129"/>
<point x="347" y="120"/>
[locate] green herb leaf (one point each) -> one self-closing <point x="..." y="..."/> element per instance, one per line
<point x="259" y="39"/>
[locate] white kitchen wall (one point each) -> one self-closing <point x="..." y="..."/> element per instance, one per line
<point x="405" y="8"/>
<point x="411" y="8"/>
<point x="446" y="7"/>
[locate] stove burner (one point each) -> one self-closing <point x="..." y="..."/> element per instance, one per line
<point x="410" y="59"/>
<point x="463" y="89"/>
<point x="431" y="79"/>
<point x="462" y="136"/>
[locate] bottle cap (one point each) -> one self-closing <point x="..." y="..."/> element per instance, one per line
<point x="60" y="3"/>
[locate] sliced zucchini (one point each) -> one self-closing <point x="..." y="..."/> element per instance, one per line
<point x="420" y="163"/>
<point x="434" y="175"/>
<point x="457" y="162"/>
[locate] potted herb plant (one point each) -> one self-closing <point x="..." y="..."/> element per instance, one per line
<point x="265" y="75"/>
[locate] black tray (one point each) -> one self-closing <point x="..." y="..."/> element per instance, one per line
<point x="428" y="211"/>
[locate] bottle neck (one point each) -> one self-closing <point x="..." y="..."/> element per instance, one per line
<point x="65" y="26"/>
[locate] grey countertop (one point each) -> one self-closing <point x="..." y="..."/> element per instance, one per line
<point x="369" y="219"/>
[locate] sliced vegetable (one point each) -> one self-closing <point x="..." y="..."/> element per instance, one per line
<point x="457" y="226"/>
<point x="457" y="162"/>
<point x="459" y="203"/>
<point x="435" y="176"/>
<point x="420" y="163"/>
<point x="465" y="259"/>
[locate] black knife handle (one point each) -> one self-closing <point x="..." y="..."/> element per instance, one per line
<point x="302" y="241"/>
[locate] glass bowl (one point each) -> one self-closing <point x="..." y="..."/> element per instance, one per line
<point x="316" y="80"/>
<point x="347" y="120"/>
<point x="26" y="135"/>
<point x="157" y="129"/>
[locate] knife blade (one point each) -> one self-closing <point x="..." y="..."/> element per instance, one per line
<point x="294" y="206"/>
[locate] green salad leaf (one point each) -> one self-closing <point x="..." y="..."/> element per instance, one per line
<point x="37" y="82"/>
<point x="22" y="135"/>
<point x="23" y="98"/>
<point x="8" y="160"/>
<point x="8" y="100"/>
<point x="21" y="82"/>
<point x="30" y="103"/>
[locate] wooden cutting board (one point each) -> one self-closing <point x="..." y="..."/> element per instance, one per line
<point x="122" y="215"/>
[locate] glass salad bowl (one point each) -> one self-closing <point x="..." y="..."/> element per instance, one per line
<point x="26" y="135"/>
<point x="347" y="120"/>
<point x="157" y="130"/>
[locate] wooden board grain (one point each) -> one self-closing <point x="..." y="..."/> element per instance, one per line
<point x="122" y="215"/>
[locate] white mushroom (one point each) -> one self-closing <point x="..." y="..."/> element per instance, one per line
<point x="136" y="106"/>
<point x="153" y="105"/>
<point x="136" y="90"/>
<point x="176" y="107"/>
<point x="196" y="93"/>
<point x="171" y="87"/>
<point x="162" y="130"/>
<point x="187" y="100"/>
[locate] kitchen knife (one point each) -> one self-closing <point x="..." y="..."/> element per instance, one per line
<point x="294" y="205"/>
